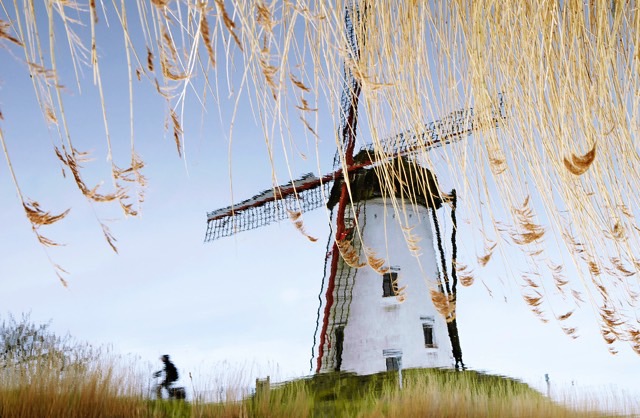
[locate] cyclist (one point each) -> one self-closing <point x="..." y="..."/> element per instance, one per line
<point x="170" y="376"/>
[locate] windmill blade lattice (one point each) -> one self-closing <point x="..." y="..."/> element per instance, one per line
<point x="273" y="205"/>
<point x="451" y="128"/>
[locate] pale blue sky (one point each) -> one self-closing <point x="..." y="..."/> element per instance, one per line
<point x="249" y="299"/>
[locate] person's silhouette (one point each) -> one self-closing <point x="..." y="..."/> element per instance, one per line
<point x="170" y="375"/>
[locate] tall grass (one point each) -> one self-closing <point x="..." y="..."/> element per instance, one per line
<point x="111" y="386"/>
<point x="50" y="385"/>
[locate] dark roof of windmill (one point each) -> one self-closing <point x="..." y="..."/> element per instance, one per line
<point x="418" y="183"/>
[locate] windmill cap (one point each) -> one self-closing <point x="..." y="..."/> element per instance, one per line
<point x="366" y="184"/>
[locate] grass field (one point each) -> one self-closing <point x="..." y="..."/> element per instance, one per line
<point x="45" y="388"/>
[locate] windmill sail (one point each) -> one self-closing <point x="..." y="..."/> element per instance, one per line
<point x="450" y="128"/>
<point x="272" y="205"/>
<point x="310" y="192"/>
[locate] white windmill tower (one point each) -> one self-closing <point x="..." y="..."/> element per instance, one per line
<point x="377" y="312"/>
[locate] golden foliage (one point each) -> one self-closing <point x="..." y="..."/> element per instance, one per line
<point x="398" y="291"/>
<point x="160" y="3"/>
<point x="608" y="336"/>
<point x="565" y="316"/>
<point x="466" y="280"/>
<point x="412" y="240"/>
<point x="109" y="237"/>
<point x="534" y="300"/>
<point x="530" y="282"/>
<point x="37" y="216"/>
<point x="46" y="241"/>
<point x="296" y="218"/>
<point x="228" y="22"/>
<point x="445" y="305"/>
<point x="570" y="331"/>
<point x="149" y="60"/>
<point x="349" y="254"/>
<point x="529" y="230"/>
<point x="41" y="71"/>
<point x="538" y="312"/>
<point x="488" y="249"/>
<point x="264" y="17"/>
<point x="547" y="112"/>
<point x="205" y="32"/>
<point x="299" y="84"/>
<point x="177" y="131"/>
<point x="618" y="231"/>
<point x="465" y="275"/>
<point x="579" y="164"/>
<point x="617" y="263"/>
<point x="305" y="108"/>
<point x="269" y="71"/>
<point x="50" y="115"/>
<point x="577" y="295"/>
<point x="594" y="268"/>
<point x="71" y="161"/>
<point x="4" y="33"/>
<point x="376" y="263"/>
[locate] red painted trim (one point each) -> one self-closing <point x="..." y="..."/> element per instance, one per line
<point x="335" y="254"/>
<point x="349" y="135"/>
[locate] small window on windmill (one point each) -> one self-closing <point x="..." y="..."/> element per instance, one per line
<point x="428" y="323"/>
<point x="388" y="280"/>
<point x="393" y="364"/>
<point x="393" y="358"/>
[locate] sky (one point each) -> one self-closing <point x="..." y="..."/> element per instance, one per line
<point x="246" y="303"/>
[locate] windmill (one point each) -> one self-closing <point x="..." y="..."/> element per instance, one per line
<point x="378" y="313"/>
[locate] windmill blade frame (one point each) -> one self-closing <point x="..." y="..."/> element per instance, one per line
<point x="444" y="131"/>
<point x="301" y="195"/>
<point x="310" y="192"/>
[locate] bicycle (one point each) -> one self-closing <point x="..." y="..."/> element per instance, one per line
<point x="177" y="393"/>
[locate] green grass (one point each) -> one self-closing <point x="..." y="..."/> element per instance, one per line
<point x="425" y="393"/>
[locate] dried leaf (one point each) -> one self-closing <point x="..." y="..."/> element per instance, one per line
<point x="295" y="217"/>
<point x="465" y="276"/>
<point x="149" y="61"/>
<point x="578" y="165"/>
<point x="565" y="316"/>
<point x="445" y="306"/>
<point x="533" y="300"/>
<point x="39" y="217"/>
<point x="376" y="263"/>
<point x="46" y="241"/>
<point x="109" y="237"/>
<point x="205" y="32"/>
<point x="299" y="84"/>
<point x="483" y="260"/>
<point x="177" y="131"/>
<point x="228" y="22"/>
<point x="617" y="263"/>
<point x="4" y="33"/>
<point x="160" y="3"/>
<point x="349" y="253"/>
